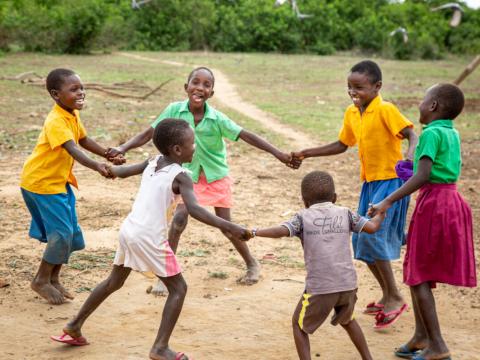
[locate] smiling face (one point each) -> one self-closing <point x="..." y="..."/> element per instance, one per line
<point x="361" y="90"/>
<point x="71" y="95"/>
<point x="199" y="88"/>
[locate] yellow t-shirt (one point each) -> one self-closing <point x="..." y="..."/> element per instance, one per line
<point x="48" y="169"/>
<point x="377" y="133"/>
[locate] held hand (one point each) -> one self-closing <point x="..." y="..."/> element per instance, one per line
<point x="379" y="208"/>
<point x="118" y="160"/>
<point x="113" y="152"/>
<point x="284" y="158"/>
<point x="104" y="170"/>
<point x="296" y="160"/>
<point x="238" y="232"/>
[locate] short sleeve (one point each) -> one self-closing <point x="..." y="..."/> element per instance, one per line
<point x="295" y="225"/>
<point x="428" y="145"/>
<point x="357" y="222"/>
<point x="346" y="135"/>
<point x="57" y="132"/>
<point x="166" y="113"/>
<point x="394" y="120"/>
<point x="228" y="128"/>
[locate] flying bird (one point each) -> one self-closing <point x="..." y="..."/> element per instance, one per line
<point x="294" y="8"/>
<point x="402" y="31"/>
<point x="457" y="12"/>
<point x="137" y="4"/>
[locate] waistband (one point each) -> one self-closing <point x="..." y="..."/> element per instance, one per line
<point x="432" y="186"/>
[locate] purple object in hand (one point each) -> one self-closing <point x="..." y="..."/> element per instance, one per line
<point x="404" y="169"/>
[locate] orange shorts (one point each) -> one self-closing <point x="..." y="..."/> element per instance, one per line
<point x="216" y="194"/>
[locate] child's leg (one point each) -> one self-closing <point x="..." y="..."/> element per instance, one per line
<point x="356" y="335"/>
<point x="393" y="298"/>
<point x="302" y="341"/>
<point x="114" y="282"/>
<point x="419" y="339"/>
<point x="436" y="348"/>
<point x="373" y="268"/>
<point x="41" y="284"/>
<point x="56" y="282"/>
<point x="177" y="289"/>
<point x="253" y="266"/>
<point x="179" y="223"/>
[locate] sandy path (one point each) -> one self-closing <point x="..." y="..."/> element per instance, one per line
<point x="225" y="92"/>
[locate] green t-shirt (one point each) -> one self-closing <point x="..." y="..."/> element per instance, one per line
<point x="440" y="142"/>
<point x="210" y="149"/>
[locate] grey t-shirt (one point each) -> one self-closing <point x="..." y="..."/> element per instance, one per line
<point x="324" y="230"/>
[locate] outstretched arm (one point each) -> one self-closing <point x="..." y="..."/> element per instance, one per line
<point x="262" y="144"/>
<point x="412" y="138"/>
<point x="94" y="147"/>
<point x="183" y="185"/>
<point x="135" y="142"/>
<point x="413" y="184"/>
<point x="84" y="159"/>
<point x="128" y="170"/>
<point x="273" y="232"/>
<point x="334" y="148"/>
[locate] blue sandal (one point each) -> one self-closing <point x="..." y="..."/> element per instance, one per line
<point x="420" y="357"/>
<point x="404" y="352"/>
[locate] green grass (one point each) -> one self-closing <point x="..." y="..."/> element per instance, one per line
<point x="308" y="92"/>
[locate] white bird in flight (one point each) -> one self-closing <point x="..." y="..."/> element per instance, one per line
<point x="457" y="12"/>
<point x="137" y="4"/>
<point x="294" y="7"/>
<point x="402" y="31"/>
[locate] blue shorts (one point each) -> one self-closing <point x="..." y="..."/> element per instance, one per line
<point x="54" y="221"/>
<point x="386" y="243"/>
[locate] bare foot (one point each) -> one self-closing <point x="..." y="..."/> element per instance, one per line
<point x="252" y="275"/>
<point x="73" y="331"/>
<point x="48" y="292"/>
<point x="62" y="290"/>
<point x="3" y="283"/>
<point x="158" y="290"/>
<point x="393" y="304"/>
<point x="166" y="354"/>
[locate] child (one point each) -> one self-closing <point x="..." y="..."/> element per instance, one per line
<point x="331" y="282"/>
<point x="440" y="236"/>
<point x="212" y="185"/>
<point x="143" y="235"/>
<point x="46" y="178"/>
<point x="378" y="128"/>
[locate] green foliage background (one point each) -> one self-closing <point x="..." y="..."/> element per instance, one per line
<point x="72" y="26"/>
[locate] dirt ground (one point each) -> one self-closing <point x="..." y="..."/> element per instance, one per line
<point x="220" y="319"/>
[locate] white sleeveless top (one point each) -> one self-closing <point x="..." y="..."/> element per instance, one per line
<point x="143" y="235"/>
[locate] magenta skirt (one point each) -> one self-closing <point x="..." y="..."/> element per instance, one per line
<point x="440" y="239"/>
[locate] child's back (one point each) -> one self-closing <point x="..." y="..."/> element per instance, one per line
<point x="324" y="230"/>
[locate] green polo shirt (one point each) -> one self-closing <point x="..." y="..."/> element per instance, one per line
<point x="440" y="142"/>
<point x="210" y="149"/>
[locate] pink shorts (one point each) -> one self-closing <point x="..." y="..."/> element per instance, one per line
<point x="216" y="194"/>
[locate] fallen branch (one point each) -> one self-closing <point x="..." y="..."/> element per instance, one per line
<point x="33" y="78"/>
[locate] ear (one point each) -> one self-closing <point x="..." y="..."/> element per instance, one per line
<point x="433" y="106"/>
<point x="378" y="85"/>
<point x="54" y="94"/>
<point x="334" y="198"/>
<point x="211" y="93"/>
<point x="176" y="150"/>
<point x="185" y="86"/>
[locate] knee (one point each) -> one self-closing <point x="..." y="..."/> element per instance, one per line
<point x="180" y="220"/>
<point x="180" y="289"/>
<point x="113" y="284"/>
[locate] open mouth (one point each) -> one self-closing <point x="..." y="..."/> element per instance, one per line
<point x="197" y="97"/>
<point x="80" y="102"/>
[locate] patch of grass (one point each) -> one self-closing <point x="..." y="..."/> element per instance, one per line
<point x="90" y="260"/>
<point x="196" y="253"/>
<point x="218" y="275"/>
